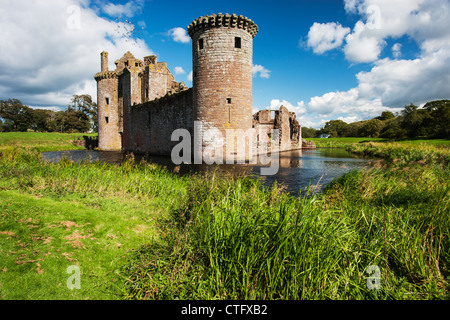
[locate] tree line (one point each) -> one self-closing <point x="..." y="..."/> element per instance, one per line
<point x="432" y="121"/>
<point x="79" y="116"/>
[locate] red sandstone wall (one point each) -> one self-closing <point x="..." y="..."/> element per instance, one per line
<point x="222" y="79"/>
<point x="154" y="122"/>
<point x="108" y="131"/>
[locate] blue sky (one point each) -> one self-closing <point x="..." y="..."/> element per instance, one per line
<point x="324" y="60"/>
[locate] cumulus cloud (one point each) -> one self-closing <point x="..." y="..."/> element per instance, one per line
<point x="262" y="71"/>
<point x="347" y="102"/>
<point x="179" y="70"/>
<point x="179" y="35"/>
<point x="323" y="37"/>
<point x="275" y="104"/>
<point x="190" y="76"/>
<point x="362" y="47"/>
<point x="54" y="52"/>
<point x="397" y="50"/>
<point x="299" y="109"/>
<point x="128" y="9"/>
<point x="392" y="83"/>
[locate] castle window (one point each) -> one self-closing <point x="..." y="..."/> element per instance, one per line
<point x="200" y="44"/>
<point x="107" y="101"/>
<point x="146" y="93"/>
<point x="237" y="42"/>
<point x="107" y="119"/>
<point x="229" y="100"/>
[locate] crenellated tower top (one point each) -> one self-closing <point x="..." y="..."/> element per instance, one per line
<point x="222" y="20"/>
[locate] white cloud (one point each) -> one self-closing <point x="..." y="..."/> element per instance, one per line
<point x="128" y="9"/>
<point x="54" y="52"/>
<point x="362" y="47"/>
<point x="343" y="103"/>
<point x="311" y="122"/>
<point x="391" y="83"/>
<point x="262" y="71"/>
<point x="323" y="37"/>
<point x="397" y="50"/>
<point x="398" y="82"/>
<point x="56" y="109"/>
<point x="179" y="70"/>
<point x="190" y="76"/>
<point x="299" y="109"/>
<point x="179" y="35"/>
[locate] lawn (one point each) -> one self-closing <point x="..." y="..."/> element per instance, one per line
<point x="55" y="216"/>
<point x="346" y="142"/>
<point x="43" y="141"/>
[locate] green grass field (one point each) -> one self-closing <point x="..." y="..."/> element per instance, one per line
<point x="141" y="232"/>
<point x="42" y="141"/>
<point x="345" y="142"/>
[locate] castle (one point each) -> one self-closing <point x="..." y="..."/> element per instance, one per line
<point x="140" y="104"/>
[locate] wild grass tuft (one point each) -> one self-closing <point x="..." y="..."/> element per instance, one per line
<point x="233" y="239"/>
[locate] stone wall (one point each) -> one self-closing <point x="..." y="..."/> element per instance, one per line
<point x="109" y="113"/>
<point x="153" y="123"/>
<point x="289" y="130"/>
<point x="222" y="75"/>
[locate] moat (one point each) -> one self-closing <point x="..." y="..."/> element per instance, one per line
<point x="298" y="169"/>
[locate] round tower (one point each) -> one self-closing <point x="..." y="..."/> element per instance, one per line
<point x="109" y="115"/>
<point x="222" y="47"/>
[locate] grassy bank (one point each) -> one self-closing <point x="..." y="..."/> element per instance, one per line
<point x="232" y="240"/>
<point x="137" y="231"/>
<point x="55" y="216"/>
<point x="42" y="141"/>
<point x="340" y="142"/>
<point x="347" y="142"/>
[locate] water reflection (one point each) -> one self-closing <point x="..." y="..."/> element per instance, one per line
<point x="297" y="169"/>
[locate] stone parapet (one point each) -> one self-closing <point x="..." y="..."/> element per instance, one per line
<point x="106" y="75"/>
<point x="222" y="20"/>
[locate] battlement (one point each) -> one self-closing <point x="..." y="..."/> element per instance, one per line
<point x="106" y="75"/>
<point x="220" y="20"/>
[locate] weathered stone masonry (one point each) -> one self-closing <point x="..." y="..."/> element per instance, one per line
<point x="140" y="104"/>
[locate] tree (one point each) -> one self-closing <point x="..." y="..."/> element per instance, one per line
<point x="336" y="128"/>
<point x="75" y="121"/>
<point x="16" y="116"/>
<point x="309" y="132"/>
<point x="84" y="104"/>
<point x="372" y="128"/>
<point x="386" y="115"/>
<point x="41" y="119"/>
<point x="440" y="118"/>
<point x="416" y="122"/>
<point x="393" y="130"/>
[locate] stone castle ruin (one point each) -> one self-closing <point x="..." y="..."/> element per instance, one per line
<point x="140" y="104"/>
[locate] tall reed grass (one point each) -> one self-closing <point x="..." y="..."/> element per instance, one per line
<point x="233" y="239"/>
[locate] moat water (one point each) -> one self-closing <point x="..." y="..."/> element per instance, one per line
<point x="298" y="170"/>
